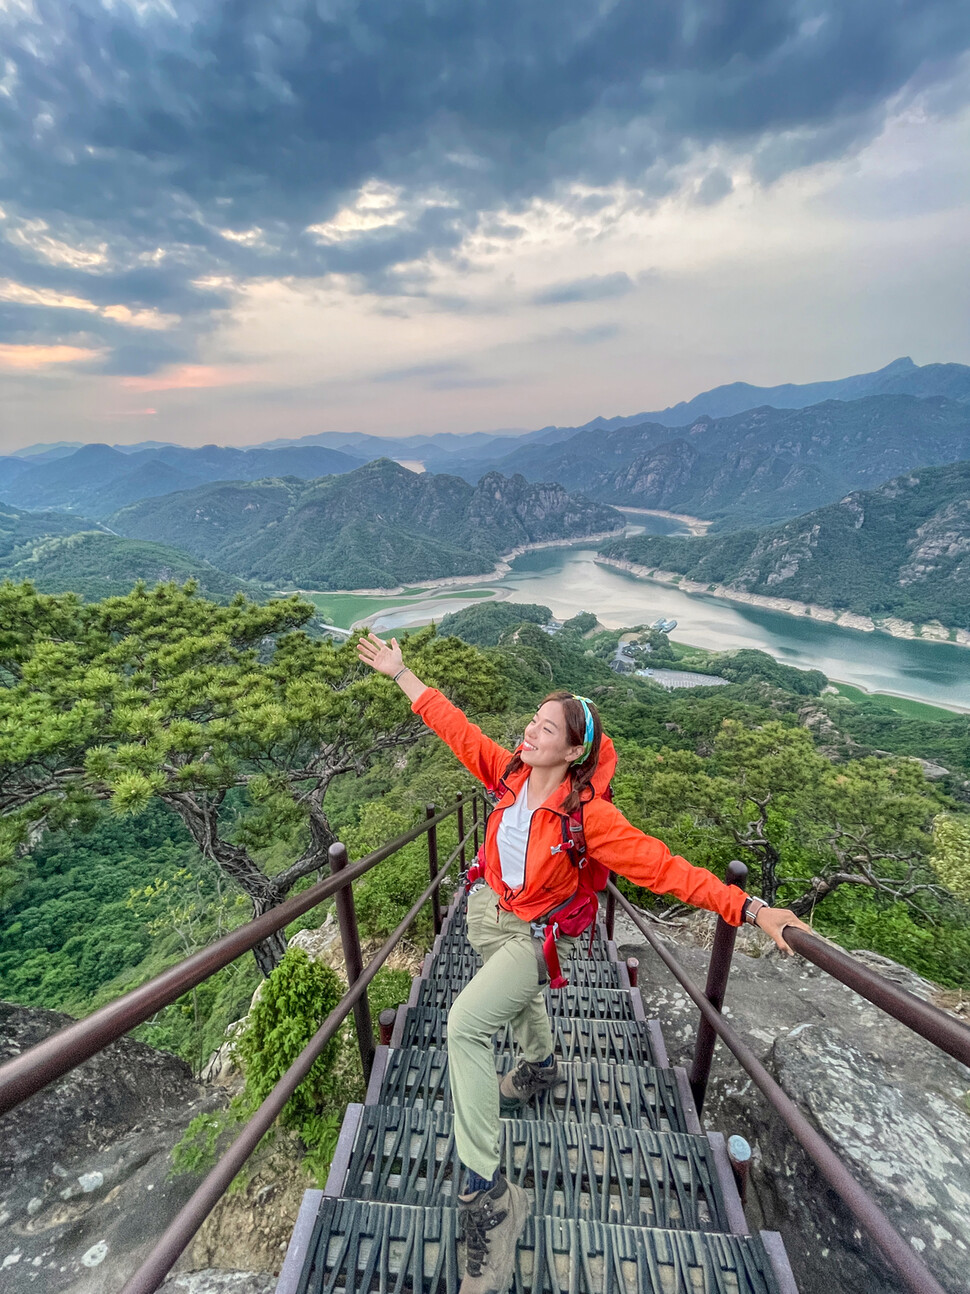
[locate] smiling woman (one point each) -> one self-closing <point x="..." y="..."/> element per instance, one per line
<point x="525" y="910"/>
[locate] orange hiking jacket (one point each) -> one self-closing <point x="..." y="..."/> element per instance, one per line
<point x="550" y="878"/>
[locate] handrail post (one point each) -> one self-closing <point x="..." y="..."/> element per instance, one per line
<point x="433" y="869"/>
<point x="386" y="1021"/>
<point x="610" y="908"/>
<point x="717" y="978"/>
<point x="354" y="962"/>
<point x="475" y="840"/>
<point x="461" y="829"/>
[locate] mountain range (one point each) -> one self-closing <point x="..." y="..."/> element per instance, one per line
<point x="96" y="480"/>
<point x="60" y="553"/>
<point x="759" y="466"/>
<point x="376" y="527"/>
<point x="901" y="550"/>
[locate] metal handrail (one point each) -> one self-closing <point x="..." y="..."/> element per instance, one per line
<point x="197" y="1208"/>
<point x="63" y="1051"/>
<point x="869" y="1215"/>
<point x="936" y="1026"/>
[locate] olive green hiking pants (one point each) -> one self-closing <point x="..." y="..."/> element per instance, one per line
<point x="507" y="990"/>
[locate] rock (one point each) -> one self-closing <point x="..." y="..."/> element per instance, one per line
<point x="84" y="1165"/>
<point x="250" y="1227"/>
<point x="892" y="1106"/>
<point x="214" y="1281"/>
<point x="322" y="944"/>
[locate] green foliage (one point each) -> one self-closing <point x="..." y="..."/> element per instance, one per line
<point x="875" y="721"/>
<point x="295" y="1001"/>
<point x="937" y="946"/>
<point x="388" y="989"/>
<point x="195" y="1151"/>
<point x="228" y="714"/>
<point x="767" y="796"/>
<point x="580" y="624"/>
<point x="69" y="926"/>
<point x="485" y="625"/>
<point x="951" y="857"/>
<point x="746" y="664"/>
<point x="95" y="565"/>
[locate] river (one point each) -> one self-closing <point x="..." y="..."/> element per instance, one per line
<point x="568" y="580"/>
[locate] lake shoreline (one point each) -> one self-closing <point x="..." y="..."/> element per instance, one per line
<point x="696" y="526"/>
<point x="893" y="626"/>
<point x="502" y="567"/>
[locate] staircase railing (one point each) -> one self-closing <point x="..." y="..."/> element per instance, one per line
<point x="42" y="1064"/>
<point x="49" y="1060"/>
<point x="939" y="1028"/>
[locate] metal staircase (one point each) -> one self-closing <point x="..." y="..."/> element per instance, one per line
<point x="630" y="1195"/>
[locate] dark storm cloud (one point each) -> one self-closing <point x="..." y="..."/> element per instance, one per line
<point x="138" y="134"/>
<point x="597" y="287"/>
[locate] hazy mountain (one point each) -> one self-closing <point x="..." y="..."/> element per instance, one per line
<point x="96" y="480"/>
<point x="375" y="527"/>
<point x="60" y="553"/>
<point x="902" y="549"/>
<point x="757" y="466"/>
<point x="10" y="468"/>
<point x="901" y="377"/>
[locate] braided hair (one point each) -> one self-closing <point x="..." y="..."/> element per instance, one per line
<point x="581" y="774"/>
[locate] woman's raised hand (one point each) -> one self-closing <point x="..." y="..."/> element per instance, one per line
<point x="384" y="657"/>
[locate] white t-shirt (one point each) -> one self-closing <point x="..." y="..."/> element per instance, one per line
<point x="512" y="838"/>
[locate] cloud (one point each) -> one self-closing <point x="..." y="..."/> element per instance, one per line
<point x="715" y="185"/>
<point x="189" y="377"/>
<point x="156" y="156"/>
<point x="36" y="357"/>
<point x="597" y="287"/>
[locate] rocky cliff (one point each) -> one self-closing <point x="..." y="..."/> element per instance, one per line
<point x="891" y="1105"/>
<point x="84" y="1165"/>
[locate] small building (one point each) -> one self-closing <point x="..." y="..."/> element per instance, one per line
<point x="622" y="662"/>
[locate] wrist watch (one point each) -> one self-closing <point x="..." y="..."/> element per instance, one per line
<point x="752" y="906"/>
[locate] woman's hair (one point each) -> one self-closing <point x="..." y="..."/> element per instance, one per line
<point x="579" y="774"/>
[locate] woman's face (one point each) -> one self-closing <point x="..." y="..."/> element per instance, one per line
<point x="546" y="743"/>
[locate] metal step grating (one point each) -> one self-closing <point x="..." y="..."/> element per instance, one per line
<point x="457" y="969"/>
<point x="633" y="1177"/>
<point x="589" y="1002"/>
<point x="602" y="1092"/>
<point x="454" y="939"/>
<point x="362" y="1247"/>
<point x="573" y="1038"/>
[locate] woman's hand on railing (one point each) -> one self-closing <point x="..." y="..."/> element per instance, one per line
<point x="773" y="922"/>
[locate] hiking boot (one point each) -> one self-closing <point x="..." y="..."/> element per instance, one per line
<point x="492" y="1222"/>
<point x="526" y="1080"/>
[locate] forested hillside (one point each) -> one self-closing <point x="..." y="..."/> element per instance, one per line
<point x="758" y="466"/>
<point x="59" y="553"/>
<point x="376" y="527"/>
<point x="95" y="480"/>
<point x="901" y="550"/>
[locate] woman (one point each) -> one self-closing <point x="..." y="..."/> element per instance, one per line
<point x="563" y="761"/>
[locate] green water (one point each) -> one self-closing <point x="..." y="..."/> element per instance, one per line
<point x="569" y="580"/>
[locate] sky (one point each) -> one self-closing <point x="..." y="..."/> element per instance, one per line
<point x="235" y="220"/>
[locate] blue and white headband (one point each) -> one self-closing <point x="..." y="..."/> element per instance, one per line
<point x="588" y="736"/>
